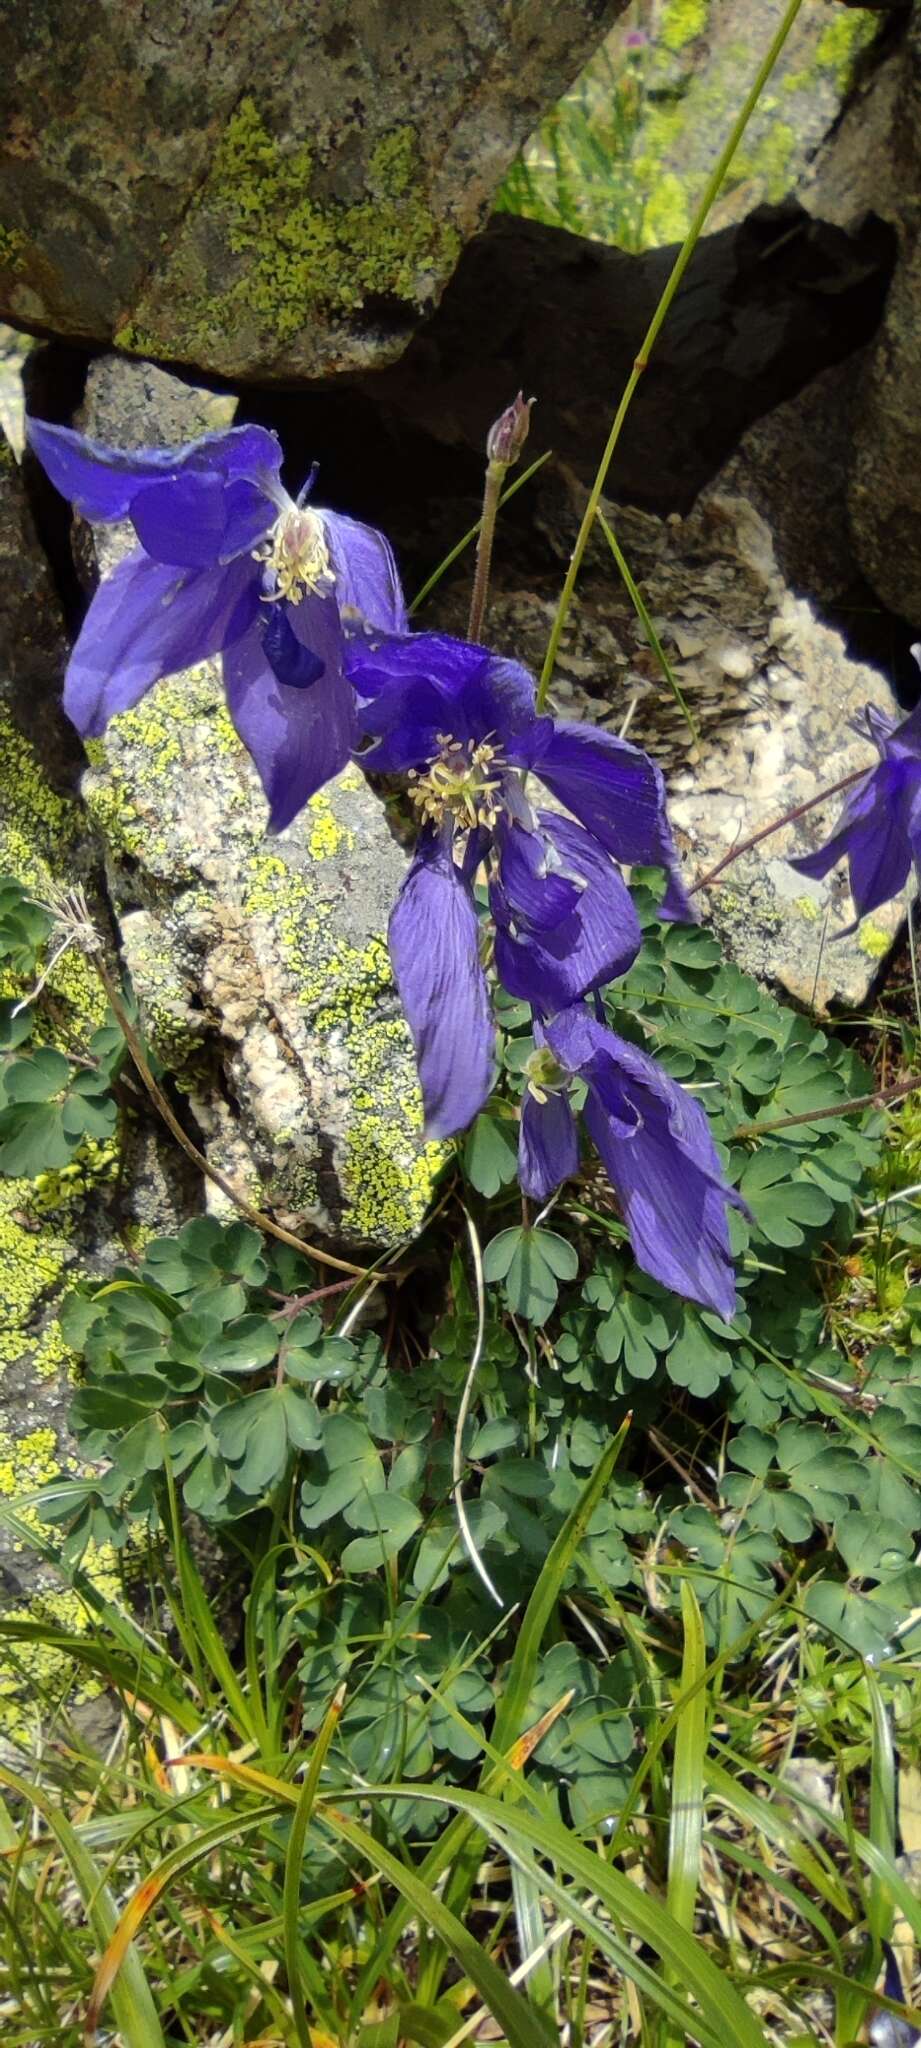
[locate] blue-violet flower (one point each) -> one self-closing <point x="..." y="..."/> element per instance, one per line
<point x="879" y="829"/>
<point x="462" y="724"/>
<point x="654" y="1142"/>
<point x="228" y="563"/>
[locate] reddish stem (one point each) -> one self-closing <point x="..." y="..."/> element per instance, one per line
<point x="878" y="1100"/>
<point x="789" y="818"/>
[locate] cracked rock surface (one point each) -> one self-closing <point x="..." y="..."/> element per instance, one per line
<point x="263" y="192"/>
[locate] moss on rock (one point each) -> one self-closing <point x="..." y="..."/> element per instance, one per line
<point x="296" y="254"/>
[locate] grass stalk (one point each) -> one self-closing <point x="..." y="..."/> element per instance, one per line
<point x="710" y="192"/>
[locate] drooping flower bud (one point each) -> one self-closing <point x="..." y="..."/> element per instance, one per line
<point x="508" y="434"/>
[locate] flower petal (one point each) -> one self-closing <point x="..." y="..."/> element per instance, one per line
<point x="548" y="1145"/>
<point x="873" y="831"/>
<point x="198" y="518"/>
<point x="532" y="887"/>
<point x="294" y="664"/>
<point x="149" y="620"/>
<point x="578" y="940"/>
<point x="367" y="578"/>
<point x="656" y="1146"/>
<point x="299" y="737"/>
<point x="102" y="483"/>
<point x="435" y="949"/>
<point x="418" y="686"/>
<point x="618" y="793"/>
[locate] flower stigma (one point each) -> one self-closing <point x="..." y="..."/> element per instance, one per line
<point x="463" y="784"/>
<point x="544" y="1075"/>
<point x="297" y="556"/>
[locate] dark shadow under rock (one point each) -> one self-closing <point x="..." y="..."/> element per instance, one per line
<point x="765" y="306"/>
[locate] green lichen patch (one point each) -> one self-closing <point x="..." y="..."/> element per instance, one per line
<point x="292" y="254"/>
<point x="682" y="22"/>
<point x="873" y="941"/>
<point x="12" y="248"/>
<point x="142" y="749"/>
<point x="343" y="989"/>
<point x="848" y="33"/>
<point x="40" y="843"/>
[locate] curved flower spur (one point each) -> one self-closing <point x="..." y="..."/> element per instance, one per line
<point x="228" y="564"/>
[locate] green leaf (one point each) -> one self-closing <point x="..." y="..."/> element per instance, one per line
<point x="252" y="1436"/>
<point x="393" y="1520"/>
<point x="871" y="1548"/>
<point x="353" y="1472"/>
<point x="491" y="1154"/>
<point x="695" y="1361"/>
<point x="530" y="1262"/>
<point x="246" y="1345"/>
<point x="784" y="1209"/>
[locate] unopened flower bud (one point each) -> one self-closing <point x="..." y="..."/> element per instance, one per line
<point x="507" y="436"/>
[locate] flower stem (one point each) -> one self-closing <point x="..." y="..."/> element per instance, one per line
<point x="679" y="267"/>
<point x="789" y="818"/>
<point x="212" y="1173"/>
<point x="459" y="546"/>
<point x="492" y="491"/>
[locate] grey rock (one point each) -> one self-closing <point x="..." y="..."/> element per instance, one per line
<point x="260" y="965"/>
<point x="872" y="162"/>
<point x="695" y="77"/>
<point x="263" y="194"/>
<point x="789" y="466"/>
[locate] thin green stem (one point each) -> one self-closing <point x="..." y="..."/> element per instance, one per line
<point x="461" y="546"/>
<point x="639" y="605"/>
<point x="682" y="260"/>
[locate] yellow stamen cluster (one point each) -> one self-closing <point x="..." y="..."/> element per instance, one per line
<point x="298" y="556"/>
<point x="463" y="784"/>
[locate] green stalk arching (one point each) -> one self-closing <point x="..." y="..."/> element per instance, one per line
<point x="680" y="265"/>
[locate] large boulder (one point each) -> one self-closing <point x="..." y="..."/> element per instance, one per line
<point x="871" y="164"/>
<point x="264" y="193"/>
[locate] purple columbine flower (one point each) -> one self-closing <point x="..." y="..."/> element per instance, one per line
<point x="462" y="723"/>
<point x="654" y="1142"/>
<point x="228" y="563"/>
<point x="879" y="829"/>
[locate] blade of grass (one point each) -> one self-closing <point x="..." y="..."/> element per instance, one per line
<point x="131" y="1680"/>
<point x="294" y="1860"/>
<point x="882" y="1807"/>
<point x="685" y="1833"/>
<point x="133" y="2005"/>
<point x="679" y="267"/>
<point x="201" y="1628"/>
<point x="639" y="605"/>
<point x="723" y="2014"/>
<point x="120" y="1938"/>
<point x="520" y="2024"/>
<point x="516" y="1691"/>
